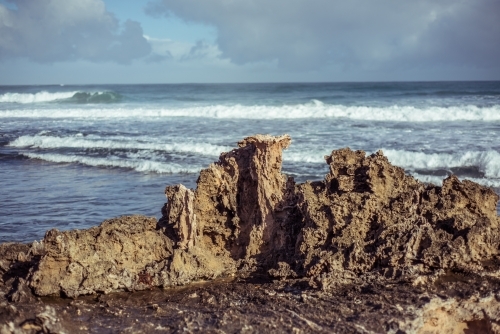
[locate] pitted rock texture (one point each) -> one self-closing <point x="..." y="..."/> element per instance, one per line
<point x="110" y="257"/>
<point x="241" y="206"/>
<point x="246" y="217"/>
<point x="368" y="215"/>
<point x="364" y="235"/>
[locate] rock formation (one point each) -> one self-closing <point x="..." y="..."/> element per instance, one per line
<point x="107" y="258"/>
<point x="366" y="216"/>
<point x="366" y="221"/>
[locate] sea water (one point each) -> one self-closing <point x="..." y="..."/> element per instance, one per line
<point x="73" y="156"/>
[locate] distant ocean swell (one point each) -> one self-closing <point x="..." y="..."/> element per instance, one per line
<point x="70" y="97"/>
<point x="314" y="109"/>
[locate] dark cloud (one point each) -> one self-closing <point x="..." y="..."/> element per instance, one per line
<point x="362" y="34"/>
<point x="60" y="30"/>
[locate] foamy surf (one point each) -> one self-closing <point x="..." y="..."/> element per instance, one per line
<point x="438" y="180"/>
<point x="25" y="98"/>
<point x="311" y="110"/>
<point x="72" y="97"/>
<point x="144" y="166"/>
<point x="487" y="162"/>
<point x="49" y="142"/>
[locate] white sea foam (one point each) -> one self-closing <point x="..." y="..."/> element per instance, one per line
<point x="313" y="109"/>
<point x="34" y="98"/>
<point x="438" y="180"/>
<point x="307" y="156"/>
<point x="487" y="162"/>
<point x="146" y="166"/>
<point x="50" y="142"/>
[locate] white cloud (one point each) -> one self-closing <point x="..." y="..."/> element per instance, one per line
<point x="59" y="30"/>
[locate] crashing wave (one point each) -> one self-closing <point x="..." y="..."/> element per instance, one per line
<point x="313" y="109"/>
<point x="74" y="97"/>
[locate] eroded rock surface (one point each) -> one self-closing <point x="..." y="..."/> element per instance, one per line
<point x="241" y="207"/>
<point x="365" y="227"/>
<point x="113" y="256"/>
<point x="367" y="215"/>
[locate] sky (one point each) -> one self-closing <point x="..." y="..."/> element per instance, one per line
<point x="184" y="41"/>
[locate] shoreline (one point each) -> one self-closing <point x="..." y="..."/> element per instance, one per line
<point x="373" y="248"/>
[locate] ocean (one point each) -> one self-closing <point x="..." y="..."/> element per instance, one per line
<point x="73" y="156"/>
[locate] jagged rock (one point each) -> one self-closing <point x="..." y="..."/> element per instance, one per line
<point x="368" y="215"/>
<point x="365" y="216"/>
<point x="366" y="224"/>
<point x="101" y="259"/>
<point x="238" y="206"/>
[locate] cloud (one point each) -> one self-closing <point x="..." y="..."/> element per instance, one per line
<point x="60" y="30"/>
<point x="201" y="50"/>
<point x="350" y="34"/>
<point x="180" y="51"/>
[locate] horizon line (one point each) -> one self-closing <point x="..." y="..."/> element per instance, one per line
<point x="250" y="83"/>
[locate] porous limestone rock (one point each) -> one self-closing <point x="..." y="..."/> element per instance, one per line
<point x="240" y="206"/>
<point x="110" y="257"/>
<point x="455" y="316"/>
<point x="366" y="216"/>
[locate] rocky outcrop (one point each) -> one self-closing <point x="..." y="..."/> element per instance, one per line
<point x="366" y="223"/>
<point x="240" y="207"/>
<point x="245" y="216"/>
<point x="367" y="215"/>
<point x="113" y="256"/>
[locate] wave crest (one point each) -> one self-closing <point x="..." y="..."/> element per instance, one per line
<point x="486" y="162"/>
<point x="71" y="97"/>
<point x="25" y="98"/>
<point x="99" y="97"/>
<point x="78" y="141"/>
<point x="313" y="109"/>
<point x="145" y="166"/>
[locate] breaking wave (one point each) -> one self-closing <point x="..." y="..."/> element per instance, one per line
<point x="485" y="163"/>
<point x="71" y="97"/>
<point x="145" y="166"/>
<point x="313" y="109"/>
<point x="35" y="98"/>
<point x="78" y="141"/>
<point x="438" y="180"/>
<point x="95" y="98"/>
